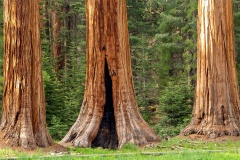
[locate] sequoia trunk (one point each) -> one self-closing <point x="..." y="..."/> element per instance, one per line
<point x="216" y="108"/>
<point x="109" y="115"/>
<point x="23" y="112"/>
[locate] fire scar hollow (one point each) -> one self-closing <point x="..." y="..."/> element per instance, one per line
<point x="109" y="115"/>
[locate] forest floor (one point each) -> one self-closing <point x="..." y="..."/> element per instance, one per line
<point x="193" y="147"/>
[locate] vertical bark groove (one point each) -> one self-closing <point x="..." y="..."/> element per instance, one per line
<point x="217" y="85"/>
<point x="23" y="112"/>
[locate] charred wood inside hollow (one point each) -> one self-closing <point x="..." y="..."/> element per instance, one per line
<point x="107" y="134"/>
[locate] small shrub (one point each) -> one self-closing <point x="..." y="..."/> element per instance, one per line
<point x="175" y="108"/>
<point x="57" y="129"/>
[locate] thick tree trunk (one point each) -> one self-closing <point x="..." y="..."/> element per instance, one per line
<point x="216" y="109"/>
<point x="109" y="115"/>
<point x="23" y="113"/>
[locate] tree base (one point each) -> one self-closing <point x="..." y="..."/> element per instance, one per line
<point x="211" y="131"/>
<point x="26" y="139"/>
<point x="56" y="148"/>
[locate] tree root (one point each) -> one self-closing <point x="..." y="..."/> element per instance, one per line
<point x="210" y="131"/>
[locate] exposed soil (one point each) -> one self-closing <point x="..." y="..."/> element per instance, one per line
<point x="196" y="137"/>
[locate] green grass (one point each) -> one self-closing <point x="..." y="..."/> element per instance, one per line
<point x="169" y="156"/>
<point x="175" y="149"/>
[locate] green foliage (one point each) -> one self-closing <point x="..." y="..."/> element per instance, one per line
<point x="165" y="131"/>
<point x="176" y="39"/>
<point x="174" y="54"/>
<point x="57" y="129"/>
<point x="237" y="34"/>
<point x="175" y="108"/>
<point x="141" y="29"/>
<point x="64" y="87"/>
<point x="175" y="102"/>
<point x="163" y="47"/>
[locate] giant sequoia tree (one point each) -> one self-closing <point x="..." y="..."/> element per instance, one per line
<point x="23" y="112"/>
<point x="216" y="110"/>
<point x="109" y="115"/>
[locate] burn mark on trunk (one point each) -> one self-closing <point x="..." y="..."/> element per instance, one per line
<point x="107" y="135"/>
<point x="103" y="48"/>
<point x="201" y="118"/>
<point x="222" y="112"/>
<point x="203" y="115"/>
<point x="16" y="117"/>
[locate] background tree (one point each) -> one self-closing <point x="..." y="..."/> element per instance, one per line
<point x="237" y="33"/>
<point x="23" y="121"/>
<point x="173" y="60"/>
<point x="58" y="56"/>
<point x="142" y="28"/>
<point x="216" y="110"/>
<point x="109" y="115"/>
<point x="64" y="86"/>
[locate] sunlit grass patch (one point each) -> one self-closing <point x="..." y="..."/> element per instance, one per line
<point x="5" y="153"/>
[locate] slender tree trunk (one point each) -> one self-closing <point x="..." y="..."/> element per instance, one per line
<point x="109" y="115"/>
<point x="58" y="55"/>
<point x="61" y="42"/>
<point x="216" y="110"/>
<point x="23" y="113"/>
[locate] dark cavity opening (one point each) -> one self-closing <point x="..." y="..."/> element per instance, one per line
<point x="223" y="118"/>
<point x="107" y="134"/>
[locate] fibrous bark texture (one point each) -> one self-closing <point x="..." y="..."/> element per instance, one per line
<point x="109" y="93"/>
<point x="216" y="110"/>
<point x="23" y="112"/>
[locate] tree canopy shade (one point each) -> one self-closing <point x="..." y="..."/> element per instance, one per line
<point x="109" y="115"/>
<point x="23" y="121"/>
<point x="216" y="110"/>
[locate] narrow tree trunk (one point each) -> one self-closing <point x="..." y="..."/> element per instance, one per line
<point x="23" y="113"/>
<point x="109" y="93"/>
<point x="58" y="55"/>
<point x="216" y="110"/>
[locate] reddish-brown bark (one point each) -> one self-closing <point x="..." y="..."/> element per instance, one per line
<point x="23" y="112"/>
<point x="109" y="90"/>
<point x="217" y="108"/>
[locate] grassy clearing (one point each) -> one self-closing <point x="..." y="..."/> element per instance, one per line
<point x="176" y="148"/>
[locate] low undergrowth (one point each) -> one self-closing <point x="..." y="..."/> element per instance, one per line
<point x="175" y="148"/>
